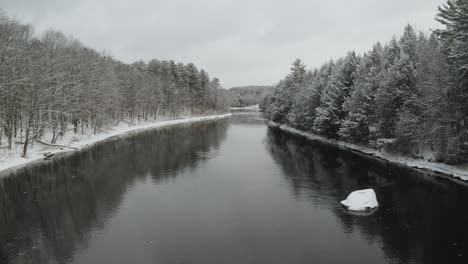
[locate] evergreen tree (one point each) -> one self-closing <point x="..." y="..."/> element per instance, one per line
<point x="303" y="108"/>
<point x="454" y="37"/>
<point x="330" y="113"/>
<point x="283" y="94"/>
<point x="398" y="90"/>
<point x="360" y="106"/>
<point x="454" y="16"/>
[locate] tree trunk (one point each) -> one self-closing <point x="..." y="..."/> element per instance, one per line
<point x="26" y="140"/>
<point x="10" y="136"/>
<point x="53" y="137"/>
<point x="75" y="125"/>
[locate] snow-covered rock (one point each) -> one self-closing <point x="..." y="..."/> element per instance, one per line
<point x="362" y="200"/>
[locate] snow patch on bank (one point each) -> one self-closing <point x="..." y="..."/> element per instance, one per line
<point x="362" y="200"/>
<point x="460" y="172"/>
<point x="12" y="158"/>
<point x="250" y="107"/>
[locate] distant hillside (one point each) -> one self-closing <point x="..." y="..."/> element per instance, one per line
<point x="247" y="95"/>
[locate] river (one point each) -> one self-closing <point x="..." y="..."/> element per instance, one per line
<point x="228" y="191"/>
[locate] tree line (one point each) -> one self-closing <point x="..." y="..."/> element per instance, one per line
<point x="402" y="96"/>
<point x="51" y="84"/>
<point x="246" y="95"/>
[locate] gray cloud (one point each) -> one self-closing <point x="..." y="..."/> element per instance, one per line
<point x="240" y="41"/>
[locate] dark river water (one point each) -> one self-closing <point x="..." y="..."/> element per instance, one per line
<point x="229" y="191"/>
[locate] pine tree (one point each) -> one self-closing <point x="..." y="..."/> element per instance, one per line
<point x="360" y="106"/>
<point x="407" y="122"/>
<point x="330" y="113"/>
<point x="398" y="90"/>
<point x="194" y="85"/>
<point x="454" y="16"/>
<point x="303" y="108"/>
<point x="384" y="122"/>
<point x="283" y="95"/>
<point x="408" y="71"/>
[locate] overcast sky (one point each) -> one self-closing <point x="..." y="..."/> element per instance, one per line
<point x="242" y="42"/>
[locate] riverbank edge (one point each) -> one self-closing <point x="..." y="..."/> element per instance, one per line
<point x="250" y="107"/>
<point x="5" y="171"/>
<point x="458" y="175"/>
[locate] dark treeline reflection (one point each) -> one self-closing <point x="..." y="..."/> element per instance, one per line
<point x="48" y="211"/>
<point x="247" y="117"/>
<point x="421" y="219"/>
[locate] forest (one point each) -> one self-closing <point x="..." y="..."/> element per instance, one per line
<point x="247" y="95"/>
<point x="51" y="84"/>
<point x="404" y="96"/>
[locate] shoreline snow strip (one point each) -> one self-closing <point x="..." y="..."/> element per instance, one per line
<point x="250" y="107"/>
<point x="458" y="174"/>
<point x="10" y="164"/>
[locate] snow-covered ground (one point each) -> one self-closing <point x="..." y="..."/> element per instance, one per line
<point x="12" y="158"/>
<point x="460" y="171"/>
<point x="250" y="107"/>
<point x="362" y="200"/>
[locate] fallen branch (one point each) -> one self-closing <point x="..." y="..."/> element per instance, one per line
<point x="125" y="121"/>
<point x="66" y="130"/>
<point x="54" y="145"/>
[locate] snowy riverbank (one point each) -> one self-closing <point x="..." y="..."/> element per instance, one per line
<point x="250" y="107"/>
<point x="460" y="172"/>
<point x="12" y="158"/>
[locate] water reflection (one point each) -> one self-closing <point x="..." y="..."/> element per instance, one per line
<point x="48" y="212"/>
<point x="180" y="196"/>
<point x="247" y="117"/>
<point x="421" y="219"/>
